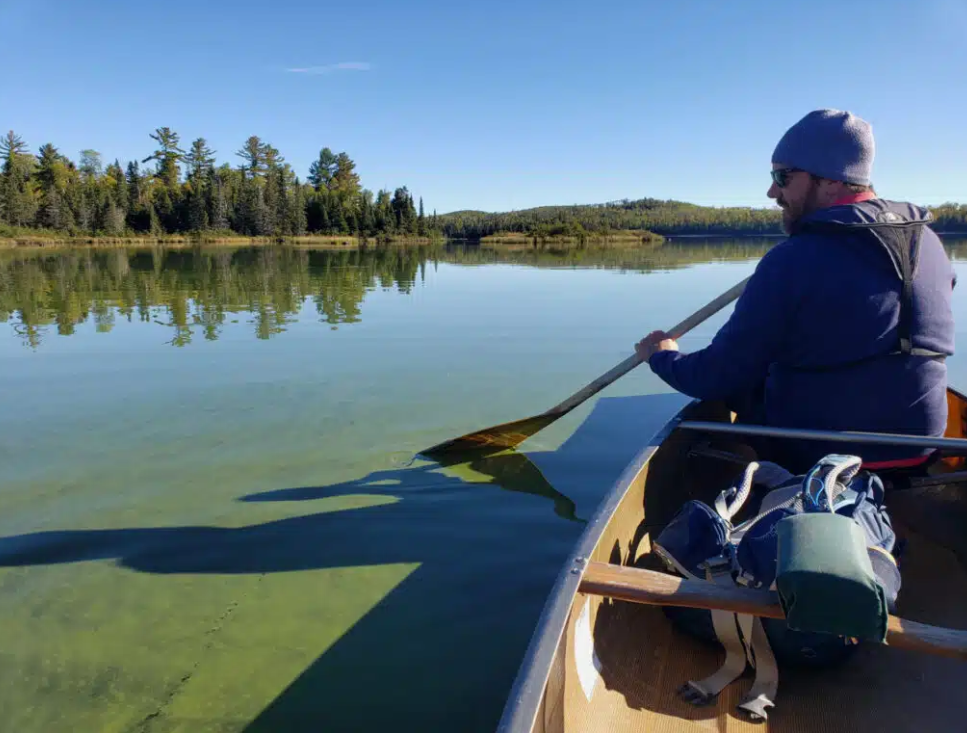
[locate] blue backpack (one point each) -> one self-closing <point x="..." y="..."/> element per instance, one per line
<point x="701" y="543"/>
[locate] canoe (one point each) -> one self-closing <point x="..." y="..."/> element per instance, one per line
<point x="596" y="663"/>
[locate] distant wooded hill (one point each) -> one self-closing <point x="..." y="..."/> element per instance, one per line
<point x="655" y="215"/>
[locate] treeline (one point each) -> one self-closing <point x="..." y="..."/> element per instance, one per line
<point x="661" y="217"/>
<point x="950" y="217"/>
<point x="654" y="215"/>
<point x="176" y="190"/>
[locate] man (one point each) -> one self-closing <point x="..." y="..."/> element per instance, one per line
<point x="843" y="326"/>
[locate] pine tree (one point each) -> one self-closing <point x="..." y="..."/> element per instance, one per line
<point x="111" y="218"/>
<point x="51" y="178"/>
<point x="345" y="180"/>
<point x="164" y="208"/>
<point x="17" y="205"/>
<point x="251" y="213"/>
<point x="253" y="153"/>
<point x="322" y="170"/>
<point x="337" y="216"/>
<point x="154" y="225"/>
<point x="197" y="208"/>
<point x="272" y="157"/>
<point x="384" y="214"/>
<point x="138" y="219"/>
<point x="317" y="212"/>
<point x="297" y="211"/>
<point x="218" y="205"/>
<point x="404" y="210"/>
<point x="168" y="155"/>
<point x="276" y="216"/>
<point x="367" y="219"/>
<point x="199" y="160"/>
<point x="118" y="186"/>
<point x="135" y="194"/>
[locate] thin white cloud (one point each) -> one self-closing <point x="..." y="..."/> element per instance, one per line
<point x="331" y="68"/>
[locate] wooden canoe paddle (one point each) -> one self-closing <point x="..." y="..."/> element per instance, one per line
<point x="647" y="586"/>
<point x="512" y="434"/>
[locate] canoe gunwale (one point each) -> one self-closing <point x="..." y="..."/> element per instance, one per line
<point x="526" y="694"/>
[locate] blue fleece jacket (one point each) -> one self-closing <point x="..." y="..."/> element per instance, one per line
<point x="823" y="299"/>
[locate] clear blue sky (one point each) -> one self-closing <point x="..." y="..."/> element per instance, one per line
<point x="501" y="105"/>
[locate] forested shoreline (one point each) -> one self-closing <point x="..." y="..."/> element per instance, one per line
<point x="664" y="218"/>
<point x="183" y="193"/>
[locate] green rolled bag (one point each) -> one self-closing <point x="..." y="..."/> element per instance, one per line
<point x="825" y="577"/>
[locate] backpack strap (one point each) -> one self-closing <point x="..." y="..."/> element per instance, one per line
<point x="725" y="624"/>
<point x="766" y="685"/>
<point x="703" y="692"/>
<point x="728" y="510"/>
<point x="827" y="480"/>
<point x="761" y="473"/>
<point x="745" y="642"/>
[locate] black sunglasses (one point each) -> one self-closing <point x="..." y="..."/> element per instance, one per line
<point x="780" y="176"/>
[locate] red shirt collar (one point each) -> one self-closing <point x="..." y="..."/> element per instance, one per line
<point x="855" y="198"/>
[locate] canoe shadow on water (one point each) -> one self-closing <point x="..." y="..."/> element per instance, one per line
<point x="440" y="650"/>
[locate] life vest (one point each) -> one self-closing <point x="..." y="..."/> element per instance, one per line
<point x="897" y="229"/>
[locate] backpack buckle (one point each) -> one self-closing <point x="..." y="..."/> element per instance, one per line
<point x="717" y="567"/>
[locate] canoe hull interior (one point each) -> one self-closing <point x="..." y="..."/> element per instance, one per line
<point x="598" y="664"/>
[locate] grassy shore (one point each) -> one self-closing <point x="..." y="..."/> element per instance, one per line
<point x="18" y="238"/>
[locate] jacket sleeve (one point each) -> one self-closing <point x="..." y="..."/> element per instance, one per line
<point x="739" y="356"/>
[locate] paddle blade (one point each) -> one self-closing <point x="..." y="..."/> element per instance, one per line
<point x="507" y="435"/>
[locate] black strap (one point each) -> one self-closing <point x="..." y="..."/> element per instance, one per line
<point x="903" y="245"/>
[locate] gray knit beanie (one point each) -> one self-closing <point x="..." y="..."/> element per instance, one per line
<point x="830" y="144"/>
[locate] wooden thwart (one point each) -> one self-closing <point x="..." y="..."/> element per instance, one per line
<point x="646" y="586"/>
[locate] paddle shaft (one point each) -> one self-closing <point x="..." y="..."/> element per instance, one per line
<point x="634" y="360"/>
<point x="646" y="586"/>
<point x="838" y="436"/>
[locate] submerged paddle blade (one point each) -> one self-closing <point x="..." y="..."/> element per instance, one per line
<point x="507" y="435"/>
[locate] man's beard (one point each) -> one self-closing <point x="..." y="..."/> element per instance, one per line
<point x="788" y="220"/>
<point x="792" y="215"/>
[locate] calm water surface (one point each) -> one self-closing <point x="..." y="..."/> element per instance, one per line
<point x="210" y="514"/>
